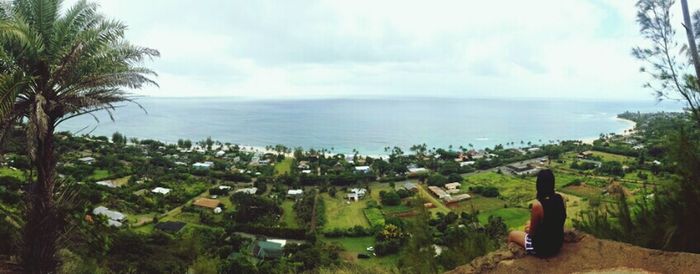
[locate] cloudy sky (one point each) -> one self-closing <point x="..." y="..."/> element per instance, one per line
<point x="319" y="49"/>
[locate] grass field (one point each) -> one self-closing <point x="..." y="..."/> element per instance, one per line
<point x="515" y="190"/>
<point x="340" y="214"/>
<point x="353" y="246"/>
<point x="289" y="217"/>
<point x="374" y="217"/>
<point x="612" y="157"/>
<point x="515" y="218"/>
<point x="99" y="174"/>
<point x="285" y="166"/>
<point x="480" y="203"/>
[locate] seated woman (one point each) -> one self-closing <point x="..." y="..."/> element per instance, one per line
<point x="544" y="233"/>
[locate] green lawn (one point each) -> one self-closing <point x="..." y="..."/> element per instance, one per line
<point x="285" y="166"/>
<point x="515" y="190"/>
<point x="99" y="174"/>
<point x="480" y="203"/>
<point x="374" y="217"/>
<point x="341" y="214"/>
<point x="515" y="218"/>
<point x="289" y="217"/>
<point x="612" y="157"/>
<point x="353" y="246"/>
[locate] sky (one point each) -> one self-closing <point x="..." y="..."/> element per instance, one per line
<point x="335" y="49"/>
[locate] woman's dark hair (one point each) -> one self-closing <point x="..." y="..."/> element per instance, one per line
<point x="545" y="184"/>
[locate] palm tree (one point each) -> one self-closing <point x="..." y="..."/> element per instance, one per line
<point x="55" y="66"/>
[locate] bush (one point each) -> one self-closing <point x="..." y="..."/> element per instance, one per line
<point x="437" y="180"/>
<point x="390" y="198"/>
<point x="486" y="191"/>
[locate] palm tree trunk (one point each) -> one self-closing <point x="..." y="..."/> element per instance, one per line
<point x="42" y="227"/>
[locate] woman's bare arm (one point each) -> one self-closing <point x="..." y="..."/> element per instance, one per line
<point x="536" y="215"/>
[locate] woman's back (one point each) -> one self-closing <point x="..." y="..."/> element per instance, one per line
<point x="549" y="237"/>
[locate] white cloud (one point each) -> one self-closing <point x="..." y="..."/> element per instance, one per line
<point x="273" y="49"/>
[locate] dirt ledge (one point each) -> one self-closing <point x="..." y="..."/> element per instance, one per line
<point x="584" y="253"/>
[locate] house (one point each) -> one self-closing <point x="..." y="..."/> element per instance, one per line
<point x="522" y="169"/>
<point x="220" y="153"/>
<point x="438" y="192"/>
<point x="585" y="154"/>
<point x="533" y="149"/>
<point x="207" y="203"/>
<point x="467" y="163"/>
<point x="107" y="183"/>
<point x="457" y="198"/>
<point x="417" y="170"/>
<point x="171" y="227"/>
<point x="356" y="194"/>
<point x="250" y="190"/>
<point x="656" y="162"/>
<point x="410" y="186"/>
<point x="224" y="187"/>
<point x="114" y="218"/>
<point x="362" y="169"/>
<point x="161" y="190"/>
<point x="203" y="165"/>
<point x="87" y="160"/>
<point x="306" y="171"/>
<point x="266" y="249"/>
<point x="303" y="165"/>
<point x="295" y="193"/>
<point x="453" y="186"/>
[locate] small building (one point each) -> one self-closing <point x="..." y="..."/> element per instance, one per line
<point x="417" y="170"/>
<point x="522" y="169"/>
<point x="303" y="165"/>
<point x="356" y="194"/>
<point x="362" y="169"/>
<point x="467" y="163"/>
<point x="410" y="186"/>
<point x="161" y="190"/>
<point x="223" y="187"/>
<point x="533" y="149"/>
<point x="268" y="250"/>
<point x="87" y="160"/>
<point x="293" y="193"/>
<point x="171" y="227"/>
<point x="585" y="154"/>
<point x="220" y="153"/>
<point x="218" y="210"/>
<point x="107" y="183"/>
<point x="207" y="203"/>
<point x="438" y="192"/>
<point x="203" y="165"/>
<point x="453" y="186"/>
<point x="249" y="190"/>
<point x="306" y="171"/>
<point x="114" y="218"/>
<point x="458" y="198"/>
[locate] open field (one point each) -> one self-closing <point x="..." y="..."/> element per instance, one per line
<point x="341" y="214"/>
<point x="289" y="217"/>
<point x="515" y="190"/>
<point x="514" y="217"/>
<point x="99" y="174"/>
<point x="356" y="245"/>
<point x="374" y="216"/>
<point x="285" y="166"/>
<point x="480" y="203"/>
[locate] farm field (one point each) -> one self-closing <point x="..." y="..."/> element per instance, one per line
<point x="289" y="217"/>
<point x="341" y="214"/>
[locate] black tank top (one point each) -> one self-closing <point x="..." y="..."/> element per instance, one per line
<point x="549" y="235"/>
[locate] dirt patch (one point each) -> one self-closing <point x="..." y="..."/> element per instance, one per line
<point x="587" y="255"/>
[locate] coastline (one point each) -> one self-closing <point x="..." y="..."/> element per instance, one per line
<point x="629" y="130"/>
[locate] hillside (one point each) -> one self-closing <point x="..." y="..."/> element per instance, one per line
<point x="584" y="253"/>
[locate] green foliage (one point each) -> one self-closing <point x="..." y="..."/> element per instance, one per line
<point x="374" y="216"/>
<point x="437" y="180"/>
<point x="390" y="198"/>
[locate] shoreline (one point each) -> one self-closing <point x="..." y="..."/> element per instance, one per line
<point x="631" y="125"/>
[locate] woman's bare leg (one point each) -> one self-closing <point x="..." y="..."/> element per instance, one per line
<point x="517" y="237"/>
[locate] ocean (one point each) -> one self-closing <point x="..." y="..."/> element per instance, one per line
<point x="367" y="125"/>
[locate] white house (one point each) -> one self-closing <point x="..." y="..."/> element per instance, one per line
<point x="203" y="165"/>
<point x="250" y="190"/>
<point x="452" y="186"/>
<point x="107" y="183"/>
<point x="466" y="163"/>
<point x="220" y="153"/>
<point x="356" y="193"/>
<point x="417" y="170"/>
<point x="114" y="218"/>
<point x="87" y="160"/>
<point x="295" y="192"/>
<point x="224" y="187"/>
<point x="363" y="169"/>
<point x="306" y="171"/>
<point x="161" y="190"/>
